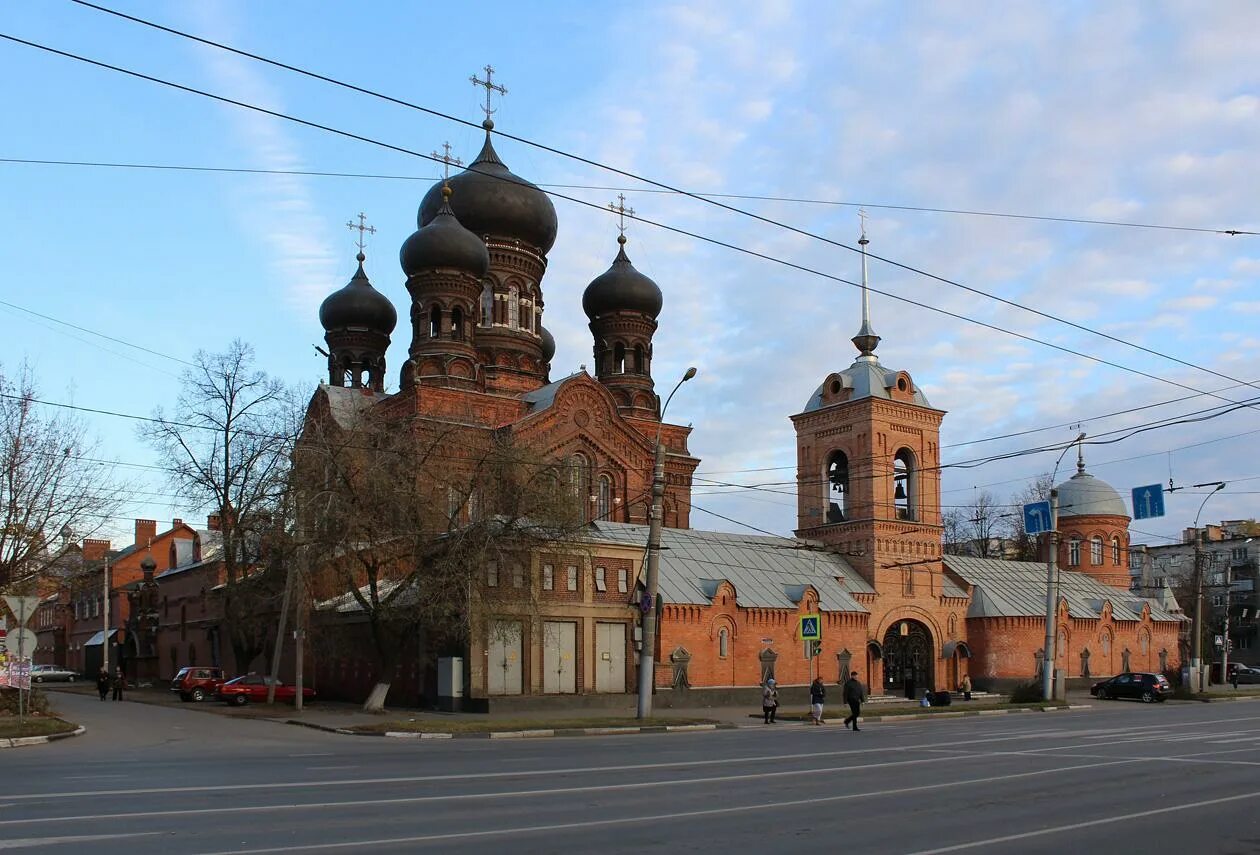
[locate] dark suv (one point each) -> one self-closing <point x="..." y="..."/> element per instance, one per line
<point x="1138" y="685"/>
<point x="197" y="684"/>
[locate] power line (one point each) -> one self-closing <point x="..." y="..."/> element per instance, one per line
<point x="102" y="335"/>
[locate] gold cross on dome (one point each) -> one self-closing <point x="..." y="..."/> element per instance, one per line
<point x="361" y="227"/>
<point x="446" y="159"/>
<point x="621" y="211"/>
<point x="490" y="86"/>
<point x="862" y="215"/>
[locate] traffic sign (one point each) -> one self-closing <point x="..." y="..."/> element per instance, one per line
<point x="811" y="627"/>
<point x="1148" y="501"/>
<point x="1036" y="517"/>
<point x="20" y="642"/>
<point x="23" y="608"/>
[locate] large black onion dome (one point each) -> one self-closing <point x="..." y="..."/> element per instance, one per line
<point x="548" y="344"/>
<point x="621" y="289"/>
<point x="489" y="200"/>
<point x="444" y="243"/>
<point x="358" y="305"/>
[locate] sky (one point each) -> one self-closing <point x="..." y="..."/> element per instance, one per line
<point x="1137" y="112"/>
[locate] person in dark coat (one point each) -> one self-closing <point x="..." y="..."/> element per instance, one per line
<point x="817" y="693"/>
<point x="854" y="695"/>
<point x="769" y="702"/>
<point x="102" y="683"/>
<point x="119" y="682"/>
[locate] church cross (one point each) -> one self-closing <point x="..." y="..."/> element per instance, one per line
<point x="490" y="86"/>
<point x="622" y="212"/>
<point x="862" y="217"/>
<point x="361" y="227"/>
<point x="447" y="159"/>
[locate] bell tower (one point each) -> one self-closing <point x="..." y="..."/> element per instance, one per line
<point x="868" y="467"/>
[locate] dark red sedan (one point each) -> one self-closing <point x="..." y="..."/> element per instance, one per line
<point x="253" y="687"/>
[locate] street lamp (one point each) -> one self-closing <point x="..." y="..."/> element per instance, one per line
<point x="1196" y="650"/>
<point x="1048" y="657"/>
<point x="648" y="644"/>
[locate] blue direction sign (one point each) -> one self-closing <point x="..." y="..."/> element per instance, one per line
<point x="1037" y="517"/>
<point x="811" y="627"/>
<point x="1148" y="501"/>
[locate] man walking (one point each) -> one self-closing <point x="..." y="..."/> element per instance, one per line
<point x="118" y="683"/>
<point x="854" y="694"/>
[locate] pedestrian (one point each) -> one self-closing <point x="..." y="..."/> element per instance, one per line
<point x="118" y="683"/>
<point x="966" y="687"/>
<point x="1233" y="678"/>
<point x="769" y="702"/>
<point x="854" y="694"/>
<point x="817" y="692"/>
<point x="102" y="683"/>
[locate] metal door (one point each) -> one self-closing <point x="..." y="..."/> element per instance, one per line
<point x="559" y="657"/>
<point x="504" y="666"/>
<point x="610" y="657"/>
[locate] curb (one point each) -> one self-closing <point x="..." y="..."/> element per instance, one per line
<point x="541" y="733"/>
<point x="19" y="741"/>
<point x="968" y="713"/>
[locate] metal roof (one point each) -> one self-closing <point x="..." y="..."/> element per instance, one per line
<point x="544" y="396"/>
<point x="346" y="403"/>
<point x="766" y="571"/>
<point x="1018" y="589"/>
<point x="1084" y="495"/>
<point x="868" y="379"/>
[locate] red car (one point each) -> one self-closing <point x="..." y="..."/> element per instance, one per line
<point x="253" y="687"/>
<point x="197" y="684"/>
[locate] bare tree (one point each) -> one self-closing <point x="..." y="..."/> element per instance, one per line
<point x="53" y="489"/>
<point x="228" y="448"/>
<point x="980" y="525"/>
<point x="1027" y="546"/>
<point x="954" y="523"/>
<point x="417" y="525"/>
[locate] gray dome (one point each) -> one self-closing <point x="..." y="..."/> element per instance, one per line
<point x="1084" y="495"/>
<point x="621" y="289"/>
<point x="444" y="243"/>
<point x="867" y="378"/>
<point x="548" y="344"/>
<point x="489" y="200"/>
<point x="358" y="305"/>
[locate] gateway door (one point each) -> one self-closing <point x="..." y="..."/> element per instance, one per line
<point x="610" y="657"/>
<point x="503" y="667"/>
<point x="559" y="658"/>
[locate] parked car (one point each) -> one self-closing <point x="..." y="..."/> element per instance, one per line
<point x="253" y="687"/>
<point x="1139" y="686"/>
<point x="1248" y="674"/>
<point x="197" y="684"/>
<point x="51" y="674"/>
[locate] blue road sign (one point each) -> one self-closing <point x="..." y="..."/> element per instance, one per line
<point x="1037" y="517"/>
<point x="1148" y="501"/>
<point x="811" y="627"/>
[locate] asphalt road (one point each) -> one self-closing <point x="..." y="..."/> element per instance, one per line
<point x="1122" y="777"/>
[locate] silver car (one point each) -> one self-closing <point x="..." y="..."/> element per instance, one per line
<point x="51" y="674"/>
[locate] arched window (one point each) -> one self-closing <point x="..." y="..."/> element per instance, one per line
<point x="837" y="487"/>
<point x="1096" y="551"/>
<point x="527" y="312"/>
<point x="435" y="322"/>
<point x="500" y="315"/>
<point x="1074" y="552"/>
<point x="640" y="366"/>
<point x="580" y="478"/>
<point x="619" y="358"/>
<point x="905" y="485"/>
<point x="513" y="306"/>
<point x="457" y="324"/>
<point x="1115" y="551"/>
<point x="724" y="643"/>
<point x="487" y="304"/>
<point x="603" y="507"/>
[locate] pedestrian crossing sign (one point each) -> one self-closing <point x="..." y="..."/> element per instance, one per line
<point x="811" y="627"/>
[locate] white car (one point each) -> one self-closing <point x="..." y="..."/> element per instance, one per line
<point x="52" y="673"/>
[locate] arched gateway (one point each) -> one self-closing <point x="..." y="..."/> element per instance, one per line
<point x="909" y="655"/>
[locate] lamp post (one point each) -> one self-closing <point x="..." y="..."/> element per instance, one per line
<point x="1196" y="649"/>
<point x="1052" y="556"/>
<point x="647" y="665"/>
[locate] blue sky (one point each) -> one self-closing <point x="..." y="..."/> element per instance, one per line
<point x="1143" y="112"/>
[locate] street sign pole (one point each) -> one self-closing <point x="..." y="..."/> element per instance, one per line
<point x="1048" y="657"/>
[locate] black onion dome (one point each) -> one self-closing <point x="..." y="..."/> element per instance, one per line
<point x="489" y="200"/>
<point x="444" y="243"/>
<point x="621" y="289"/>
<point x="358" y="305"/>
<point x="548" y="344"/>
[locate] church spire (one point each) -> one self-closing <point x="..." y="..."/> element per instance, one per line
<point x="865" y="341"/>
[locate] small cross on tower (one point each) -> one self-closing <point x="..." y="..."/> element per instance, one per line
<point x="490" y="86"/>
<point x="622" y="212"/>
<point x="446" y="158"/>
<point x="361" y="227"/>
<point x="862" y="215"/>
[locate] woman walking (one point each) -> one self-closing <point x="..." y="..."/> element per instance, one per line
<point x="769" y="702"/>
<point x="817" y="692"/>
<point x="102" y="683"/>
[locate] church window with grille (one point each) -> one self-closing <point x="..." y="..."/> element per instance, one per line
<point x="603" y="506"/>
<point x="1115" y="551"/>
<point x="1096" y="551"/>
<point x="580" y="478"/>
<point x="1074" y="552"/>
<point x="837" y="487"/>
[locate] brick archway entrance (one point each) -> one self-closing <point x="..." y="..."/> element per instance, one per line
<point x="909" y="656"/>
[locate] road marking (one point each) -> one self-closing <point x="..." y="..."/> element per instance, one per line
<point x="565" y="826"/>
<point x="329" y="768"/>
<point x="92" y="777"/>
<point x="1087" y="824"/>
<point x="314" y="754"/>
<point x="24" y="843"/>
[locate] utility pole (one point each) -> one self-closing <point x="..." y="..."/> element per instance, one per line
<point x="1225" y="640"/>
<point x="1196" y="649"/>
<point x="1052" y="598"/>
<point x="105" y="618"/>
<point x="647" y="647"/>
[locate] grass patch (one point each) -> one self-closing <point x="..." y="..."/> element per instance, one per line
<point x="33" y="726"/>
<point x="463" y="725"/>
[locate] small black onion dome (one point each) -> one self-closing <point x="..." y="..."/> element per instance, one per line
<point x="548" y="344"/>
<point x="444" y="243"/>
<point x="489" y="200"/>
<point x="147" y="564"/>
<point x="358" y="305"/>
<point x="621" y="289"/>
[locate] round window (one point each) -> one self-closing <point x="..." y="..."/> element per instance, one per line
<point x="835" y="387"/>
<point x="901" y="384"/>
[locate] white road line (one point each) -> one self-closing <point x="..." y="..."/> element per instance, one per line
<point x="330" y="768"/>
<point x="313" y="754"/>
<point x="28" y="842"/>
<point x="92" y="777"/>
<point x="1087" y="824"/>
